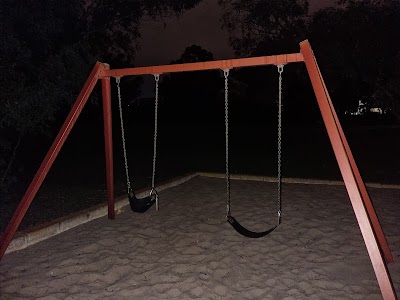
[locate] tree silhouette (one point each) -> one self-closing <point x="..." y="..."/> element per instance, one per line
<point x="191" y="93"/>
<point x="356" y="43"/>
<point x="47" y="51"/>
<point x="358" y="48"/>
<point x="263" y="27"/>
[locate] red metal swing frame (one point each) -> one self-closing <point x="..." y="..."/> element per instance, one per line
<point x="367" y="219"/>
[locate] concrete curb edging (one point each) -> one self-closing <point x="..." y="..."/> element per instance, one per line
<point x="294" y="180"/>
<point x="44" y="231"/>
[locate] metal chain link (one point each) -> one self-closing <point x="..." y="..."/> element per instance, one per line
<point x="157" y="79"/>
<point x="153" y="176"/>
<point x="280" y="71"/>
<point x="227" y="176"/>
<point x="128" y="183"/>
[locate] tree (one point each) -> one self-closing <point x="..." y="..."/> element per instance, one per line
<point x="268" y="27"/>
<point x="356" y="44"/>
<point x="190" y="93"/>
<point x="358" y="49"/>
<point x="48" y="49"/>
<point x="263" y="27"/>
<point x="112" y="27"/>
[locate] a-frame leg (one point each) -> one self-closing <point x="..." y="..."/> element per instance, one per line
<point x="49" y="159"/>
<point x="359" y="198"/>
<point x="361" y="185"/>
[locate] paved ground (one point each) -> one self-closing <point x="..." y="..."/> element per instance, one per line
<point x="188" y="251"/>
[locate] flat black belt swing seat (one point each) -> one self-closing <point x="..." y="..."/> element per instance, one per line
<point x="231" y="220"/>
<point x="140" y="205"/>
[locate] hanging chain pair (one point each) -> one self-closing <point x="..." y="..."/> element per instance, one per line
<point x="280" y="71"/>
<point x="227" y="176"/>
<point x="128" y="183"/>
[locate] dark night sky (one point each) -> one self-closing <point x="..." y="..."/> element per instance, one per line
<point x="200" y="26"/>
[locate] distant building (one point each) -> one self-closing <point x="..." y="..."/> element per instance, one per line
<point x="362" y="109"/>
<point x="377" y="110"/>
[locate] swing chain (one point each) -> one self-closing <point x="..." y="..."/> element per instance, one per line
<point x="128" y="183"/>
<point x="227" y="175"/>
<point x="280" y="71"/>
<point x="157" y="79"/>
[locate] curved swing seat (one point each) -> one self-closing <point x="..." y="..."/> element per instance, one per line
<point x="141" y="205"/>
<point x="245" y="232"/>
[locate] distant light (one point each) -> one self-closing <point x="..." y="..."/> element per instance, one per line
<point x="376" y="110"/>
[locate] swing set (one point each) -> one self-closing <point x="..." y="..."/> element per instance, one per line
<point x="141" y="205"/>
<point x="371" y="230"/>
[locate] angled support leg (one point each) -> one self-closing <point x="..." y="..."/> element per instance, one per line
<point x="50" y="157"/>
<point x="355" y="186"/>
<point x="107" y="117"/>
<point x="361" y="185"/>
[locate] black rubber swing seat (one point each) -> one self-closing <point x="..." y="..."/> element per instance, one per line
<point x="245" y="232"/>
<point x="141" y="205"/>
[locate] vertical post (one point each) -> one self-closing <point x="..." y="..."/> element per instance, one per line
<point x="349" y="173"/>
<point x="107" y="116"/>
<point x="49" y="158"/>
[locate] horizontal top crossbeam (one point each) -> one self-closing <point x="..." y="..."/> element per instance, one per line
<point x="209" y="65"/>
